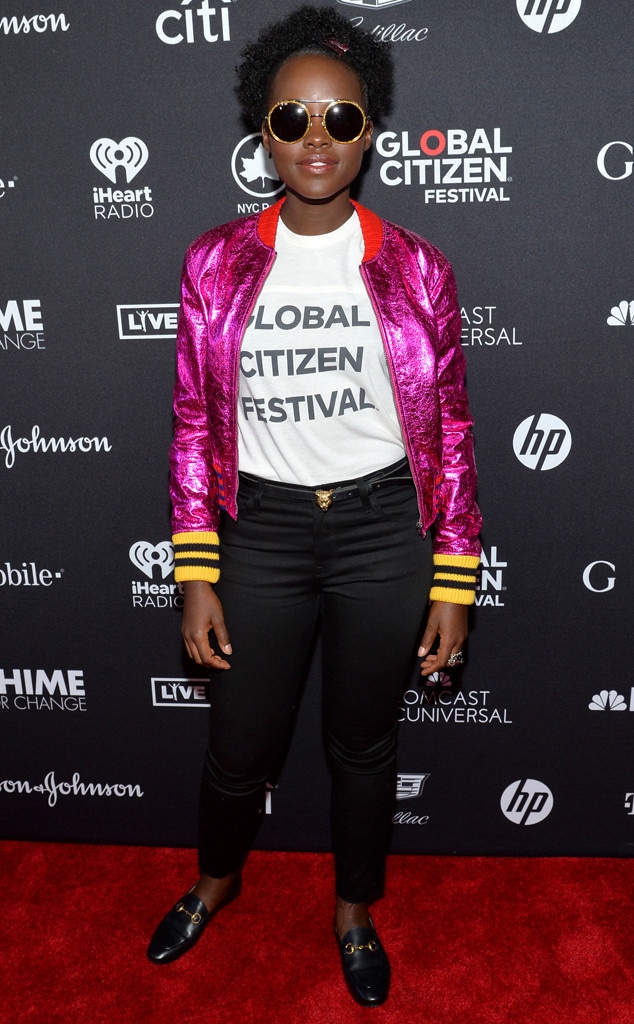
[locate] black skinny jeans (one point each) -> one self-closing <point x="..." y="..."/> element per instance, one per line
<point x="360" y="570"/>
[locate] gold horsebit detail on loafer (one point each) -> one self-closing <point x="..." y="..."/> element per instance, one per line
<point x="324" y="498"/>
<point x="195" y="918"/>
<point x="350" y="947"/>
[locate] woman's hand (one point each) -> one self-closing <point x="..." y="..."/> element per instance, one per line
<point x="449" y="623"/>
<point x="202" y="611"/>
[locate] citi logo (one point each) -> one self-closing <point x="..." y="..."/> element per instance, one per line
<point x="526" y="802"/>
<point x="148" y="321"/>
<point x="613" y="162"/>
<point x="253" y="169"/>
<point x="107" y="155"/>
<point x="146" y="556"/>
<point x="181" y="26"/>
<point x="611" y="700"/>
<point x="548" y="15"/>
<point x="179" y="693"/>
<point x="21" y="325"/>
<point x="622" y="315"/>
<point x="542" y="441"/>
<point x="597" y="578"/>
<point x="36" y="23"/>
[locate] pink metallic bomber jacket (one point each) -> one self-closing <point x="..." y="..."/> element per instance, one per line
<point x="412" y="289"/>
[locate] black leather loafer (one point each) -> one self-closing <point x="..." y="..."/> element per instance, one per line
<point x="182" y="927"/>
<point x="366" y="968"/>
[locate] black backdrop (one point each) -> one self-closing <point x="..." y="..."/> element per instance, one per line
<point x="511" y="147"/>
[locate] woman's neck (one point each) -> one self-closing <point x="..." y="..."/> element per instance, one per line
<point x="316" y="217"/>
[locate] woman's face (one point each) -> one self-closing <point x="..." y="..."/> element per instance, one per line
<point x="316" y="168"/>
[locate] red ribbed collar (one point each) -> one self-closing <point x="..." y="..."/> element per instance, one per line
<point x="371" y="227"/>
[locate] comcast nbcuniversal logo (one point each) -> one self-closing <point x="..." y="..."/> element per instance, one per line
<point x="622" y="315"/>
<point x="611" y="700"/>
<point x="548" y="16"/>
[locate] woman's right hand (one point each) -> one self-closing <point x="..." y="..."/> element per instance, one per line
<point x="202" y="611"/>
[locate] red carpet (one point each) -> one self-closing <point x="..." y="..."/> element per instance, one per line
<point x="472" y="941"/>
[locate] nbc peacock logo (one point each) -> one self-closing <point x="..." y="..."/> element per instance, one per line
<point x="622" y="315"/>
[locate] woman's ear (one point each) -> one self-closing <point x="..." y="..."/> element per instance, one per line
<point x="266" y="140"/>
<point x="367" y="137"/>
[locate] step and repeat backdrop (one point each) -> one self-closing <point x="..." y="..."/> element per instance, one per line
<point x="511" y="147"/>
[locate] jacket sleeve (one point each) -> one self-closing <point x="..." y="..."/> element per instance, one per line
<point x="193" y="482"/>
<point x="458" y="521"/>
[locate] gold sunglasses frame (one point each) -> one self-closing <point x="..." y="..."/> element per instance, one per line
<point x="300" y="103"/>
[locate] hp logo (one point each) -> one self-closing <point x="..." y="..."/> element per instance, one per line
<point x="548" y="15"/>
<point x="542" y="441"/>
<point x="526" y="802"/>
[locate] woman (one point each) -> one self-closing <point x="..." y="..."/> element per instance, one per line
<point x="321" y="428"/>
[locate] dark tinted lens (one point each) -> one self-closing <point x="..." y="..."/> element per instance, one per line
<point x="288" y="122"/>
<point x="344" y="122"/>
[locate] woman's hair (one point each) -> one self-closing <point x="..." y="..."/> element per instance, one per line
<point x="311" y="30"/>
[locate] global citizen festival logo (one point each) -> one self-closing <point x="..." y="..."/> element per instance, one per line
<point x="612" y="161"/>
<point x="147" y="321"/>
<point x="188" y="24"/>
<point x="622" y="315"/>
<point x="409" y="786"/>
<point x="254" y="172"/>
<point x="548" y="15"/>
<point x="491" y="582"/>
<point x="21" y="325"/>
<point x="542" y="441"/>
<point x="120" y="160"/>
<point x="38" y="690"/>
<point x="469" y="165"/>
<point x="148" y="557"/>
<point x="526" y="802"/>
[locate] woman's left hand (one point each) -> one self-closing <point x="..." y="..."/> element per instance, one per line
<point x="448" y="622"/>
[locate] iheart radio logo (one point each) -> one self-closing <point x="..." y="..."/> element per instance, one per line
<point x="130" y="153"/>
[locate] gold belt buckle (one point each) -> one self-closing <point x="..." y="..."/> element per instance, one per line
<point x="324" y="499"/>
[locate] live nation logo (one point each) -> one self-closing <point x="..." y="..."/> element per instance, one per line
<point x="409" y="786"/>
<point x="21" y="326"/>
<point x="120" y="162"/>
<point x="147" y="321"/>
<point x="169" y="692"/>
<point x="156" y="562"/>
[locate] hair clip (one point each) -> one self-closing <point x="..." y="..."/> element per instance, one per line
<point x="334" y="44"/>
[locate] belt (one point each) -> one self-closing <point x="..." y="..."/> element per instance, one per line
<point x="324" y="497"/>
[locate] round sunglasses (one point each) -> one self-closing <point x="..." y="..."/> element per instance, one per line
<point x="289" y="121"/>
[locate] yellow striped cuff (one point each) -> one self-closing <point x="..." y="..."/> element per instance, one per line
<point x="454" y="578"/>
<point x="197" y="556"/>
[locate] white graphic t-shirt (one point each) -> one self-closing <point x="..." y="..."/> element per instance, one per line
<point x="315" y="398"/>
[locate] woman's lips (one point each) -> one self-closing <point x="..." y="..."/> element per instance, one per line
<point x="317" y="163"/>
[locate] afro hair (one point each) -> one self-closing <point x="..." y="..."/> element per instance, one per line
<point x="313" y="30"/>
